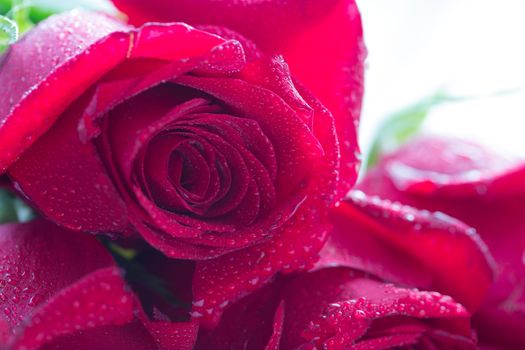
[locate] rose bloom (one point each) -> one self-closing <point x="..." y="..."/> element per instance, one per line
<point x="487" y="192"/>
<point x="62" y="290"/>
<point x="195" y="140"/>
<point x="390" y="276"/>
<point x="320" y="40"/>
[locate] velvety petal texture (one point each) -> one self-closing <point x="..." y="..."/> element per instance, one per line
<point x="485" y="191"/>
<point x="340" y="308"/>
<point x="49" y="59"/>
<point x="309" y="34"/>
<point x="62" y="290"/>
<point x="361" y="294"/>
<point x="202" y="145"/>
<point x="406" y="245"/>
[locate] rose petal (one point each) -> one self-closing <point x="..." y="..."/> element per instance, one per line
<point x="458" y="169"/>
<point x="132" y="336"/>
<point x="58" y="282"/>
<point x="304" y="32"/>
<point x="67" y="45"/>
<point x="99" y="299"/>
<point x="341" y="307"/>
<point x="251" y="50"/>
<point x="255" y="323"/>
<point x="293" y="142"/>
<point x="62" y="290"/>
<point x="67" y="181"/>
<point x="278" y="324"/>
<point x="495" y="210"/>
<point x="31" y="254"/>
<point x="224" y="280"/>
<point x="174" y="336"/>
<point x="61" y="195"/>
<point x="415" y="242"/>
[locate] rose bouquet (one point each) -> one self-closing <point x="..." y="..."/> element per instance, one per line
<point x="189" y="174"/>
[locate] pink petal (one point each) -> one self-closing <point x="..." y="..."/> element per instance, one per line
<point x="458" y="169"/>
<point x="132" y="336"/>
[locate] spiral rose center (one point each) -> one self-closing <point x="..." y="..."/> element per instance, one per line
<point x="208" y="164"/>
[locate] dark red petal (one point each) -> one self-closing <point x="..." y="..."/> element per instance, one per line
<point x="58" y="282"/>
<point x="334" y="308"/>
<point x="222" y="281"/>
<point x="31" y="255"/>
<point x="62" y="290"/>
<point x="353" y="245"/>
<point x="172" y="246"/>
<point x="278" y="324"/>
<point x="273" y="73"/>
<point x="132" y="336"/>
<point x="331" y="186"/>
<point x="255" y="322"/>
<point x="69" y="179"/>
<point x="495" y="209"/>
<point x="98" y="299"/>
<point x="214" y="57"/>
<point x="45" y="78"/>
<point x="294" y="144"/>
<point x="415" y="242"/>
<point x="306" y="33"/>
<point x="172" y="335"/>
<point x="66" y="180"/>
<point x="133" y="123"/>
<point x="251" y="50"/>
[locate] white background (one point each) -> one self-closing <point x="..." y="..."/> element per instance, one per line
<point x="464" y="47"/>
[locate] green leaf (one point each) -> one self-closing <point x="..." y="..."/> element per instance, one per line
<point x="7" y="209"/>
<point x="14" y="209"/>
<point x="8" y="32"/>
<point x="402" y="125"/>
<point x="126" y="253"/>
<point x="139" y="277"/>
<point x="406" y="123"/>
<point x="20" y="14"/>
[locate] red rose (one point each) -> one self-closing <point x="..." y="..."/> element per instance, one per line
<point x="361" y="293"/>
<point x="200" y="143"/>
<point x="62" y="290"/>
<point x="322" y="41"/>
<point x="487" y="192"/>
